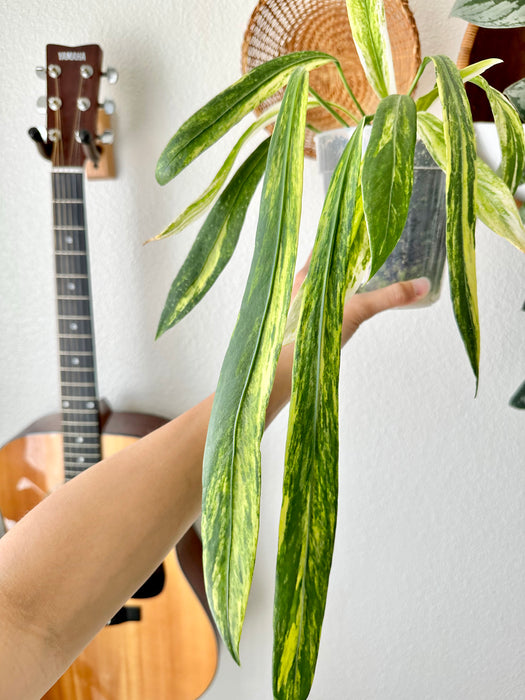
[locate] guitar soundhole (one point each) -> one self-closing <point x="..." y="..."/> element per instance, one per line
<point x="154" y="585"/>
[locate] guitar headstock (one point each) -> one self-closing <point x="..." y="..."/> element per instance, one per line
<point x="72" y="77"/>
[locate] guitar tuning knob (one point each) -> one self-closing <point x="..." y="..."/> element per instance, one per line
<point x="108" y="106"/>
<point x="41" y="72"/>
<point x="111" y="74"/>
<point x="106" y="137"/>
<point x="41" y="104"/>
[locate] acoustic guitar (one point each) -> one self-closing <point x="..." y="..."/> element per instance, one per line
<point x="162" y="644"/>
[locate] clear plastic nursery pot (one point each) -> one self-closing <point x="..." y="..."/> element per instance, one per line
<point x="421" y="250"/>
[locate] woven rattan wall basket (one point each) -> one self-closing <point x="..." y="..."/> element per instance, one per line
<point x="278" y="27"/>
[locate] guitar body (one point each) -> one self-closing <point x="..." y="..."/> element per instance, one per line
<point x="162" y="645"/>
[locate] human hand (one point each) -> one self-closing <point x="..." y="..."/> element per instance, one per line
<point x="361" y="307"/>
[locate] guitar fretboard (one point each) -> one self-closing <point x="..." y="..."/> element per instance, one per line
<point x="80" y="405"/>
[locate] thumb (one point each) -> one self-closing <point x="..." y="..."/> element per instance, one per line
<point x="363" y="306"/>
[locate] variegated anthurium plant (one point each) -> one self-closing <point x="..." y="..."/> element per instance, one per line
<point x="362" y="218"/>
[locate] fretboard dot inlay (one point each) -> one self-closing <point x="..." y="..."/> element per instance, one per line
<point x="75" y="361"/>
<point x="80" y="460"/>
<point x="65" y="404"/>
<point x="71" y="286"/>
<point x="90" y="404"/>
<point x="79" y="439"/>
<point x="69" y="240"/>
<point x="73" y="326"/>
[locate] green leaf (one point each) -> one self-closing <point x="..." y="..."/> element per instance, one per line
<point x="226" y="109"/>
<point x="461" y="203"/>
<point x="370" y="35"/>
<point x="308" y="515"/>
<point x="510" y="133"/>
<point x="388" y="173"/>
<point x="494" y="14"/>
<point x="467" y="73"/>
<point x="231" y="468"/>
<point x="516" y="94"/>
<point x="495" y="205"/>
<point x="215" y="242"/>
<point x="206" y="199"/>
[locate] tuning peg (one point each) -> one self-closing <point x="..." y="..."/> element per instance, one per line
<point x="45" y="149"/>
<point x="41" y="104"/>
<point x="41" y="72"/>
<point x="106" y="138"/>
<point x="108" y="106"/>
<point x="111" y="74"/>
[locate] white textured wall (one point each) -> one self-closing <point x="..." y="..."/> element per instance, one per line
<point x="426" y="598"/>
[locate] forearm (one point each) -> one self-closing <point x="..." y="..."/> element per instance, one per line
<point x="78" y="557"/>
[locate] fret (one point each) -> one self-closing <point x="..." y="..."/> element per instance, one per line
<point x="89" y="443"/>
<point x="68" y="201"/>
<point x="79" y="385"/>
<point x="66" y="276"/>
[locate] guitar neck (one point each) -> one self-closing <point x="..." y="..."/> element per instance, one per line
<point x="78" y="386"/>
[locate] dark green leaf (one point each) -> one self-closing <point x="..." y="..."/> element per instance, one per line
<point x="388" y="173"/>
<point x="221" y="113"/>
<point x="307" y="526"/>
<point x="215" y="242"/>
<point x="231" y="469"/>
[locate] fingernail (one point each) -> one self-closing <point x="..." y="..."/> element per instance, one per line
<point x="421" y="286"/>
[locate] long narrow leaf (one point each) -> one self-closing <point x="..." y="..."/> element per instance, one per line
<point x="206" y="199"/>
<point x="231" y="468"/>
<point x="388" y="174"/>
<point x="494" y="14"/>
<point x="308" y="516"/>
<point x="461" y="203"/>
<point x="510" y="133"/>
<point x="221" y="113"/>
<point x="467" y="73"/>
<point x="215" y="242"/>
<point x="495" y="205"/>
<point x="370" y="35"/>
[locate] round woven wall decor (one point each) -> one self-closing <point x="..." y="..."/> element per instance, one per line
<point x="278" y="27"/>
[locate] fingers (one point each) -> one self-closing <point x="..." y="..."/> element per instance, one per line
<point x="363" y="306"/>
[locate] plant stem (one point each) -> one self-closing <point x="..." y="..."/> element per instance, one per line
<point x="348" y="88"/>
<point x="328" y="107"/>
<point x="419" y="73"/>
